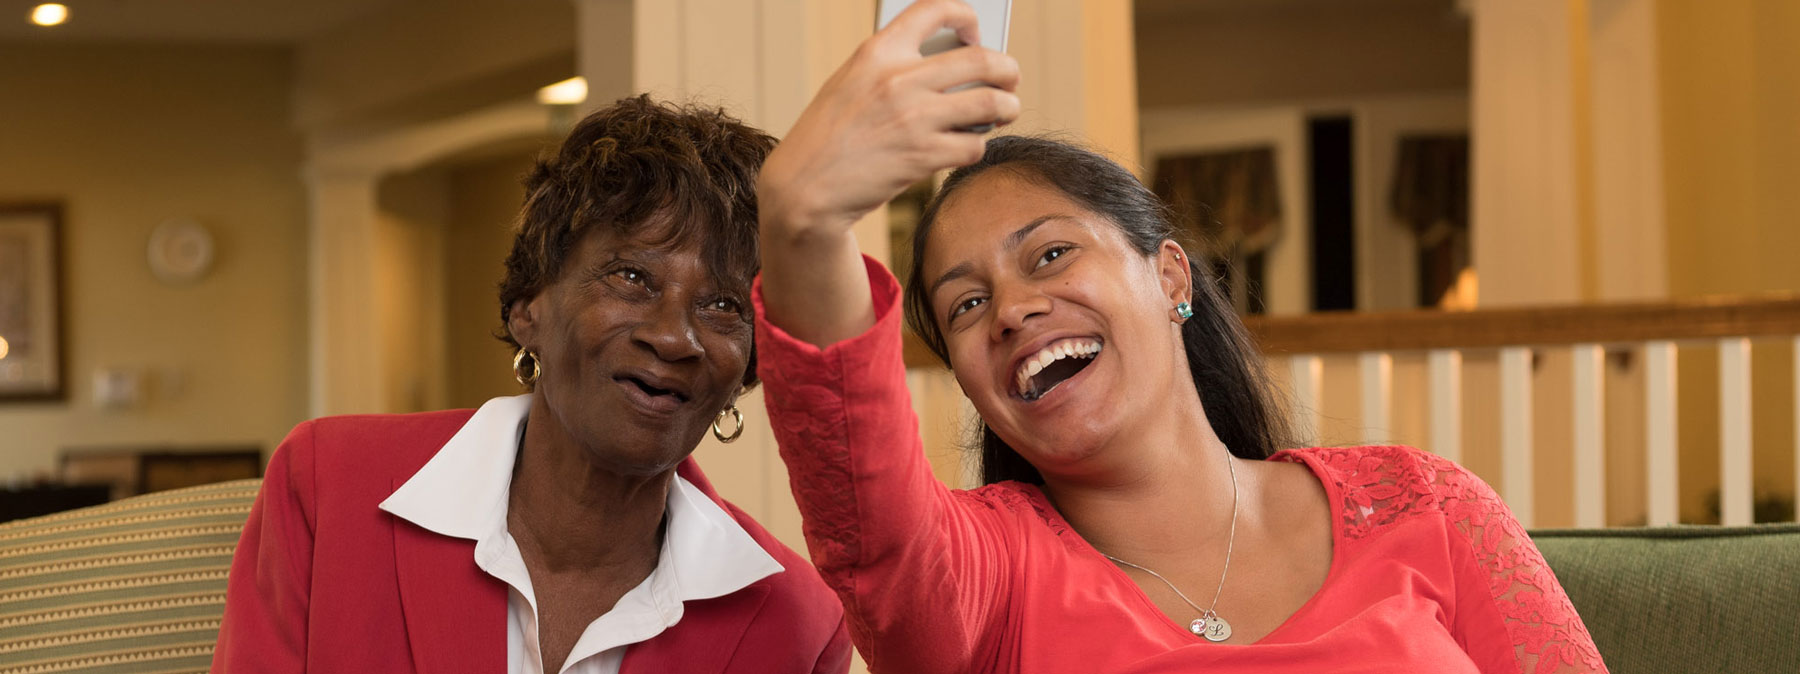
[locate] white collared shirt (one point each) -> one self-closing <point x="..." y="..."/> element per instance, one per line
<point x="462" y="492"/>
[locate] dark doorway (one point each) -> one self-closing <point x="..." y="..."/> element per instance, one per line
<point x="1331" y="180"/>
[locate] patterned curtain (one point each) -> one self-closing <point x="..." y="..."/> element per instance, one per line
<point x="1229" y="201"/>
<point x="1431" y="195"/>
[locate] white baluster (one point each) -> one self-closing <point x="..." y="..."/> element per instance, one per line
<point x="1662" y="467"/>
<point x="1735" y="498"/>
<point x="1590" y="435"/>
<point x="1515" y="431"/>
<point x="1446" y="403"/>
<point x="1377" y="396"/>
<point x="1307" y="372"/>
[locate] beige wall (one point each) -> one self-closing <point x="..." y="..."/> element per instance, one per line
<point x="413" y="212"/>
<point x="1244" y="52"/>
<point x="1731" y="131"/>
<point x="442" y="233"/>
<point x="484" y="198"/>
<point x="126" y="137"/>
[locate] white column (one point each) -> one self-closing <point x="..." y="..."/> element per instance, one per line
<point x="1377" y="371"/>
<point x="1446" y="403"/>
<point x="1660" y="421"/>
<point x="1306" y="373"/>
<point x="1078" y="72"/>
<point x="1526" y="243"/>
<point x="1515" y="432"/>
<point x="1631" y="238"/>
<point x="1590" y="435"/>
<point x="1736" y="500"/>
<point x="347" y="366"/>
<point x="604" y="43"/>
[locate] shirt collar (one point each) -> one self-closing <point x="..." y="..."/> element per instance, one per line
<point x="462" y="492"/>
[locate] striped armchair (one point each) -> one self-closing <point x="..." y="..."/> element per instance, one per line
<point x="137" y="585"/>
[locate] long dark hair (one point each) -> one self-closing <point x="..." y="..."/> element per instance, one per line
<point x="1226" y="368"/>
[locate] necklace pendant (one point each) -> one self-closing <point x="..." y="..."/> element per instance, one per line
<point x="1198" y="627"/>
<point x="1216" y="629"/>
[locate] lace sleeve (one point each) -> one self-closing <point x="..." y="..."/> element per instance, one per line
<point x="1546" y="635"/>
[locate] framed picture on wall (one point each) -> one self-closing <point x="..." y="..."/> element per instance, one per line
<point x="31" y="339"/>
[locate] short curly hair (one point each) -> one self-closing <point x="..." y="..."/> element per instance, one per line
<point x="631" y="164"/>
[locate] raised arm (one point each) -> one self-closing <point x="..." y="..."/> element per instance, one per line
<point x="919" y="569"/>
<point x="880" y="123"/>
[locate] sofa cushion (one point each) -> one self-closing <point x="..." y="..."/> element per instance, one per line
<point x="1684" y="599"/>
<point x="137" y="585"/>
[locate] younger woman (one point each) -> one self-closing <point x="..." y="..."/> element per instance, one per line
<point x="1137" y="516"/>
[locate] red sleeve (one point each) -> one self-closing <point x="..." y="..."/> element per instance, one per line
<point x="919" y="573"/>
<point x="1511" y="613"/>
<point x="835" y="658"/>
<point x="270" y="584"/>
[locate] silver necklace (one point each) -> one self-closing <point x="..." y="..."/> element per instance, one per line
<point x="1209" y="624"/>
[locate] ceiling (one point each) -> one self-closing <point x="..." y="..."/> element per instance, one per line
<point x="238" y="21"/>
<point x="1160" y="8"/>
<point x="291" y="21"/>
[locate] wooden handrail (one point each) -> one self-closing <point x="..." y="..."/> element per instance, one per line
<point x="1341" y="332"/>
<point x="1676" y="320"/>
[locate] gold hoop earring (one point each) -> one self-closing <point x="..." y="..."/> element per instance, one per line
<point x="526" y="380"/>
<point x="736" y="417"/>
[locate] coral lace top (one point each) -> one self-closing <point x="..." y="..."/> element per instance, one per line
<point x="1429" y="571"/>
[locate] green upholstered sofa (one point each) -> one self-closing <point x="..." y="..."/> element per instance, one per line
<point x="1685" y="599"/>
<point x="139" y="585"/>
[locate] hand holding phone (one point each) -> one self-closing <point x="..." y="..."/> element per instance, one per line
<point x="885" y="120"/>
<point x="993" y="18"/>
<point x="882" y="122"/>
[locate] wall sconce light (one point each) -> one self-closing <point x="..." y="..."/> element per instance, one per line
<point x="571" y="91"/>
<point x="49" y="14"/>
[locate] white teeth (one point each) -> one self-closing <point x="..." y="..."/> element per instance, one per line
<point x="1043" y="358"/>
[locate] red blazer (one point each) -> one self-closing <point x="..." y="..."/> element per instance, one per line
<point x="325" y="581"/>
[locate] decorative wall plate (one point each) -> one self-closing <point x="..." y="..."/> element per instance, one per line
<point x="181" y="251"/>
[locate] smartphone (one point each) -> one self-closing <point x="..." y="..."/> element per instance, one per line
<point x="994" y="16"/>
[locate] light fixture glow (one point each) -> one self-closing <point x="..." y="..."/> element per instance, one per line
<point x="571" y="91"/>
<point x="4" y="348"/>
<point x="49" y="14"/>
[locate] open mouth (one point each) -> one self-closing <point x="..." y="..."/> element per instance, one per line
<point x="655" y="393"/>
<point x="1054" y="364"/>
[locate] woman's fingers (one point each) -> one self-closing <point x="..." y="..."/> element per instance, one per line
<point x="925" y="18"/>
<point x="971" y="107"/>
<point x="883" y="121"/>
<point x="965" y="65"/>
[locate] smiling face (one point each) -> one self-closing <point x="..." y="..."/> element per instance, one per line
<point x="641" y="347"/>
<point x="1058" y="330"/>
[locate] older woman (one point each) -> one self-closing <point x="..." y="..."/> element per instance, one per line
<point x="565" y="530"/>
<point x="1134" y="519"/>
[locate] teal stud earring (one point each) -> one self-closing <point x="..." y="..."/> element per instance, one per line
<point x="1184" y="310"/>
